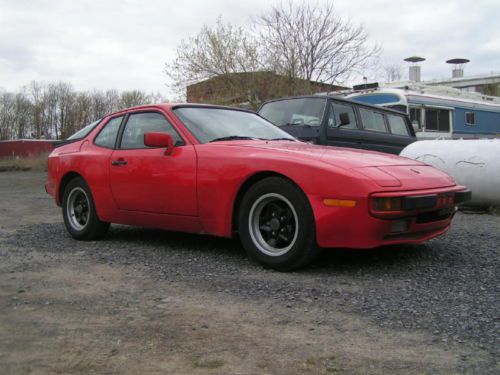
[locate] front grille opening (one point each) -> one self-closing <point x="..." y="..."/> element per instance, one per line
<point x="429" y="217"/>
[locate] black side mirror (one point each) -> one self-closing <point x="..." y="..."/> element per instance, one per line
<point x="344" y="119"/>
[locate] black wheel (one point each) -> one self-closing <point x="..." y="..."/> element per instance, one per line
<point x="276" y="225"/>
<point x="79" y="212"/>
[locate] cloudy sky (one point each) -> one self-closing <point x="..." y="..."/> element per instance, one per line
<point x="124" y="44"/>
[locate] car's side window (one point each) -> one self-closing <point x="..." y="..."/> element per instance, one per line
<point x="140" y="123"/>
<point x="334" y="118"/>
<point x="372" y="120"/>
<point x="397" y="124"/>
<point x="107" y="135"/>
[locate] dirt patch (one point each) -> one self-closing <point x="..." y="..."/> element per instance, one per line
<point x="87" y="318"/>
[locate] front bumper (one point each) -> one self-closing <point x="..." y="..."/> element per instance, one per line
<point x="424" y="214"/>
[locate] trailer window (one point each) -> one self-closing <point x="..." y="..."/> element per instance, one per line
<point x="416" y="116"/>
<point x="398" y="107"/>
<point x="437" y="119"/>
<point x="470" y="118"/>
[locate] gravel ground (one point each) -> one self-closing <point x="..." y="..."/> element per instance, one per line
<point x="445" y="291"/>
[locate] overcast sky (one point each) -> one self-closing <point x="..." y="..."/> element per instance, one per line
<point x="124" y="44"/>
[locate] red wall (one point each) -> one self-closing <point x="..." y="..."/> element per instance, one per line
<point x="27" y="148"/>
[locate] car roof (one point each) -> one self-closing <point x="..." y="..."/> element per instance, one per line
<point x="339" y="99"/>
<point x="172" y="106"/>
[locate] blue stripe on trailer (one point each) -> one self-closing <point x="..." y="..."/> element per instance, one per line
<point x="377" y="98"/>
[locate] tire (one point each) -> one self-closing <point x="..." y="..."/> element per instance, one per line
<point x="79" y="213"/>
<point x="276" y="225"/>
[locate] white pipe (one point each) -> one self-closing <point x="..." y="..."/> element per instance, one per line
<point x="473" y="163"/>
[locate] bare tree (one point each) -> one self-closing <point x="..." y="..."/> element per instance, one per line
<point x="218" y="51"/>
<point x="314" y="43"/>
<point x="36" y="92"/>
<point x="133" y="98"/>
<point x="7" y="115"/>
<point x="56" y="110"/>
<point x="392" y="72"/>
<point x="112" y="101"/>
<point x="24" y="110"/>
<point x="156" y="97"/>
<point x="66" y="96"/>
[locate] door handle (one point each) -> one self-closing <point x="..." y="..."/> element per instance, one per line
<point x="119" y="162"/>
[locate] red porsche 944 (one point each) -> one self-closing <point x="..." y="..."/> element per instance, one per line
<point x="225" y="171"/>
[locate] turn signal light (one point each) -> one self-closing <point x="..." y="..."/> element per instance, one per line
<point x="387" y="204"/>
<point x="339" y="203"/>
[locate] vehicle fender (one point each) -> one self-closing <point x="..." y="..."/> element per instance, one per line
<point x="218" y="186"/>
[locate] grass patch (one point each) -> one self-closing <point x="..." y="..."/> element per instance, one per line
<point x="27" y="164"/>
<point x="208" y="364"/>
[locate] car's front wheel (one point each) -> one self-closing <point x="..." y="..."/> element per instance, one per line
<point x="276" y="225"/>
<point x="79" y="213"/>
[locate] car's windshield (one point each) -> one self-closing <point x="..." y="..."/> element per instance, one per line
<point x="82" y="133"/>
<point x="213" y="124"/>
<point x="299" y="111"/>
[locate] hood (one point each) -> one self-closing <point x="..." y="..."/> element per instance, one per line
<point x="346" y="158"/>
<point x="387" y="170"/>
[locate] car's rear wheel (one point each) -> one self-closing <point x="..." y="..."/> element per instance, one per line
<point x="276" y="224"/>
<point x="79" y="213"/>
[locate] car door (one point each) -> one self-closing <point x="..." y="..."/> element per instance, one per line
<point x="350" y="135"/>
<point x="145" y="179"/>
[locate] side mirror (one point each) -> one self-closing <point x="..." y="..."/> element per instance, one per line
<point x="344" y="119"/>
<point x="159" y="140"/>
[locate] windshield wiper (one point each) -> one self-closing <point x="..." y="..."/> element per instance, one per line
<point x="232" y="138"/>
<point x="283" y="139"/>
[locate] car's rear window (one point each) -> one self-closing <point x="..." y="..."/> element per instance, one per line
<point x="82" y="133"/>
<point x="107" y="136"/>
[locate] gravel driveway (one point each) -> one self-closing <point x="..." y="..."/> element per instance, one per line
<point x="149" y="301"/>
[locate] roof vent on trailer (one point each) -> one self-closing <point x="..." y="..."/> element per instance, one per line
<point x="414" y="71"/>
<point x="458" y="67"/>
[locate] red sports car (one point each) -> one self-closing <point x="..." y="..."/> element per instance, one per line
<point x="221" y="171"/>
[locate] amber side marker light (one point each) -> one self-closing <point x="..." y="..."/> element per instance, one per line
<point x="339" y="203"/>
<point x="386" y="204"/>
